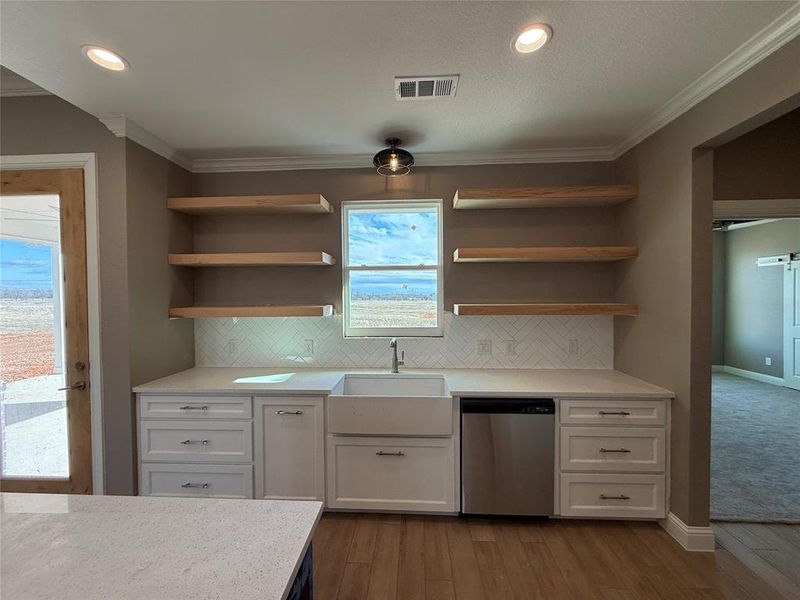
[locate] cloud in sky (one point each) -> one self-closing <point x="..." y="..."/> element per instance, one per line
<point x="393" y="238"/>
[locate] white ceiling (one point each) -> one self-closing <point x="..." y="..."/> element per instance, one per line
<point x="240" y="79"/>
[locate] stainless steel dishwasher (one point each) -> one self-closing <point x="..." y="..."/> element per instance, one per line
<point x="507" y="456"/>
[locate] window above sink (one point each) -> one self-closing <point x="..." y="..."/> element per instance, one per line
<point x="392" y="263"/>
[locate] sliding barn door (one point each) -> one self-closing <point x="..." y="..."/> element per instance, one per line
<point x="791" y="326"/>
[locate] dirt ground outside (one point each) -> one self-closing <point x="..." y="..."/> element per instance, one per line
<point x="26" y="339"/>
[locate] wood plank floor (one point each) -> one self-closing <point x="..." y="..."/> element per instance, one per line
<point x="405" y="557"/>
<point x="772" y="552"/>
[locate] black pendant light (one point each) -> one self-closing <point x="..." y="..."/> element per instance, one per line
<point x="393" y="161"/>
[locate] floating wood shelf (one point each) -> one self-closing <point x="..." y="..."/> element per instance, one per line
<point x="545" y="254"/>
<point x="543" y="197"/>
<point x="270" y="310"/>
<point x="250" y="205"/>
<point x="629" y="310"/>
<point x="253" y="259"/>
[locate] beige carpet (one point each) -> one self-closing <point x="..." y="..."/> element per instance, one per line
<point x="755" y="451"/>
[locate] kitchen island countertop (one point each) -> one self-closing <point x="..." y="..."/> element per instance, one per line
<point x="106" y="547"/>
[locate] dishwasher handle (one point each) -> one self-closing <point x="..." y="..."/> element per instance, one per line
<point x="513" y="406"/>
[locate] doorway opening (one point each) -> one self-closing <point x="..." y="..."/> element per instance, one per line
<point x="755" y="431"/>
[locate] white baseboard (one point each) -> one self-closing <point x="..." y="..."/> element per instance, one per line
<point x="717" y="368"/>
<point x="750" y="375"/>
<point x="694" y="539"/>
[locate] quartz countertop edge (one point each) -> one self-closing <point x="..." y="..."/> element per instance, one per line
<point x="558" y="383"/>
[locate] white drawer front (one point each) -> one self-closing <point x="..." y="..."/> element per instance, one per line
<point x="195" y="407"/>
<point x="639" y="449"/>
<point x="607" y="411"/>
<point x="612" y="495"/>
<point x="391" y="474"/>
<point x="180" y="441"/>
<point x="390" y="416"/>
<point x="213" y="481"/>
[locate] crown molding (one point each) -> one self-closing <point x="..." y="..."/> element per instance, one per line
<point x="14" y="86"/>
<point x="782" y="30"/>
<point x="122" y="126"/>
<point x="421" y="159"/>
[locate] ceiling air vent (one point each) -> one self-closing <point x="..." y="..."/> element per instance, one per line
<point x="425" y="88"/>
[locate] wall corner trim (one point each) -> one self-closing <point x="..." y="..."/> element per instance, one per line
<point x="752" y="375"/>
<point x="693" y="539"/>
<point x="781" y="31"/>
<point x="121" y="126"/>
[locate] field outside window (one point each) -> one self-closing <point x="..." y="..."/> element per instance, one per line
<point x="392" y="268"/>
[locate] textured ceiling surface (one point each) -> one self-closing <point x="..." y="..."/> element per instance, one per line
<point x="302" y="78"/>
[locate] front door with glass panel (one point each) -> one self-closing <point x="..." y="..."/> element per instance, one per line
<point x="45" y="416"/>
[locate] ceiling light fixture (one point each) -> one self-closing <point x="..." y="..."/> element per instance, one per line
<point x="105" y="58"/>
<point x="532" y="37"/>
<point x="393" y="161"/>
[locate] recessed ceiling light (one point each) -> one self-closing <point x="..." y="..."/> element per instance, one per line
<point x="532" y="37"/>
<point x="105" y="58"/>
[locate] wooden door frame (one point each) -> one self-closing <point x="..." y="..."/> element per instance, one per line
<point x="88" y="163"/>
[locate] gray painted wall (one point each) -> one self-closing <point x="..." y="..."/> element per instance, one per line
<point x="463" y="282"/>
<point x="671" y="279"/>
<point x="762" y="163"/>
<point x="49" y="125"/>
<point x="137" y="341"/>
<point x="754" y="296"/>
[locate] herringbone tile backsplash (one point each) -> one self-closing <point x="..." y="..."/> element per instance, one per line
<point x="468" y="342"/>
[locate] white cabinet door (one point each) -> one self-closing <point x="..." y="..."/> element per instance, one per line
<point x="408" y="474"/>
<point x="289" y="448"/>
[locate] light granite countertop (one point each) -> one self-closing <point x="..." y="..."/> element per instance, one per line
<point x="106" y="547"/>
<point x="574" y="383"/>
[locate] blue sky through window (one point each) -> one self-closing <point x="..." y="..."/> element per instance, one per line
<point x="25" y="266"/>
<point x="393" y="238"/>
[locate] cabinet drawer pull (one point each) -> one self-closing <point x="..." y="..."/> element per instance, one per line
<point x="288" y="412"/>
<point x="620" y="497"/>
<point x="204" y="442"/>
<point x="194" y="485"/>
<point x="622" y="413"/>
<point x="623" y="450"/>
<point x="190" y="407"/>
<point x="382" y="453"/>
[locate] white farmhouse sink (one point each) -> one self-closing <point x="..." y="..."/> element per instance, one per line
<point x="391" y="384"/>
<point x="391" y="404"/>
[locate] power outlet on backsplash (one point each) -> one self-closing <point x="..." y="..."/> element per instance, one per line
<point x="511" y="347"/>
<point x="485" y="347"/>
<point x="233" y="345"/>
<point x="573" y="347"/>
<point x="308" y="347"/>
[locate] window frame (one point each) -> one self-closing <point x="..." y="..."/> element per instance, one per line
<point x="393" y="206"/>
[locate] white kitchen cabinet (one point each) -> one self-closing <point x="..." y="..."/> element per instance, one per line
<point x="289" y="448"/>
<point x="618" y="472"/>
<point x="391" y="473"/>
